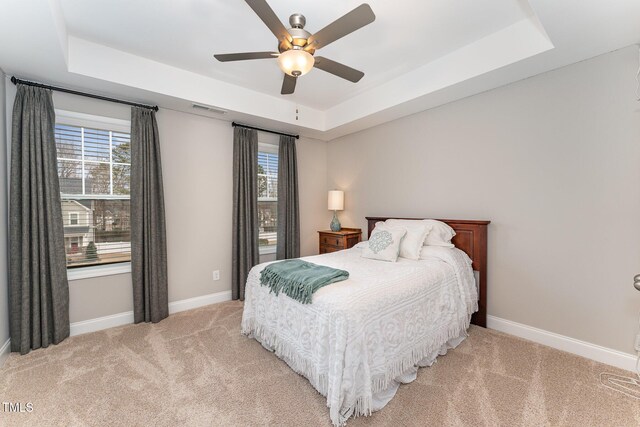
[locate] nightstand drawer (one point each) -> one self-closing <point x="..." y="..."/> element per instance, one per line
<point x="324" y="249"/>
<point x="332" y="240"/>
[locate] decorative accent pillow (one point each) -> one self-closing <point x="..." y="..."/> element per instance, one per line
<point x="440" y="235"/>
<point x="412" y="242"/>
<point x="384" y="243"/>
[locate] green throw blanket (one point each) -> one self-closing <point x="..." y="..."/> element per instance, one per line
<point x="299" y="279"/>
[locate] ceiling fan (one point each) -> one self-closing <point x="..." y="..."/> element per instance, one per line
<point x="297" y="47"/>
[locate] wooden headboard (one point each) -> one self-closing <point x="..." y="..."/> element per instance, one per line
<point x="471" y="237"/>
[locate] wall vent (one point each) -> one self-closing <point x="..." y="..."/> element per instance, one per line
<point x="208" y="108"/>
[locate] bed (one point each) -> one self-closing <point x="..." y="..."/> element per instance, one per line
<point x="361" y="338"/>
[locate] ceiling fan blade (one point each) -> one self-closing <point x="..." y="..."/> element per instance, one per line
<point x="338" y="69"/>
<point x="226" y="57"/>
<point x="357" y="18"/>
<point x="288" y="85"/>
<point x="270" y="19"/>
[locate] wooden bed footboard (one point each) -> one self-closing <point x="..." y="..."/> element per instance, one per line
<point x="471" y="237"/>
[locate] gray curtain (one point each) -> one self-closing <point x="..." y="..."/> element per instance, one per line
<point x="288" y="244"/>
<point x="38" y="290"/>
<point x="148" y="231"/>
<point x="245" y="208"/>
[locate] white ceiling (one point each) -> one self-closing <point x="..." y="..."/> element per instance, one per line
<point x="186" y="34"/>
<point x="415" y="55"/>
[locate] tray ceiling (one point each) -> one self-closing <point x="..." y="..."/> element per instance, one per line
<point x="186" y="34"/>
<point x="416" y="55"/>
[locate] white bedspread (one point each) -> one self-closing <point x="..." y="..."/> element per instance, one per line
<point x="361" y="334"/>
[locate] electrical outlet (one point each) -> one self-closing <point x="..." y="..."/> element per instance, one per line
<point x="637" y="345"/>
<point x="216" y="275"/>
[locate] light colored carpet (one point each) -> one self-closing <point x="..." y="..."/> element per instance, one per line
<point x="195" y="369"/>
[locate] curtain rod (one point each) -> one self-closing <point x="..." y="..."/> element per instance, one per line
<point x="16" y="81"/>
<point x="234" y="124"/>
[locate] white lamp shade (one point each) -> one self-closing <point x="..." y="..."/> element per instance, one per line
<point x="295" y="62"/>
<point x="336" y="200"/>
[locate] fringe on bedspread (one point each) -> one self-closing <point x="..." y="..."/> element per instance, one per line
<point x="363" y="404"/>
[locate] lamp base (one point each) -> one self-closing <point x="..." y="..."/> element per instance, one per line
<point x="335" y="224"/>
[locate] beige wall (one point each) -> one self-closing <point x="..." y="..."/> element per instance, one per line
<point x="196" y="162"/>
<point x="312" y="186"/>
<point x="553" y="162"/>
<point x="197" y="171"/>
<point x="4" y="288"/>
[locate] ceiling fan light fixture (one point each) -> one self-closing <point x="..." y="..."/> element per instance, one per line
<point x="297" y="46"/>
<point x="296" y="62"/>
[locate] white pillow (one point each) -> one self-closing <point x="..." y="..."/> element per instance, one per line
<point x="414" y="239"/>
<point x="361" y="245"/>
<point x="384" y="243"/>
<point x="430" y="252"/>
<point x="440" y="235"/>
<point x="442" y="253"/>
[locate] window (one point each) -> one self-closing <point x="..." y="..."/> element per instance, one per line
<point x="73" y="218"/>
<point x="267" y="197"/>
<point x="94" y="165"/>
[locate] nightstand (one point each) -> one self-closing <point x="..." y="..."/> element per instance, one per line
<point x="332" y="241"/>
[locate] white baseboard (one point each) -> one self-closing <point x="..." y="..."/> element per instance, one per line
<point x="188" y="304"/>
<point x="4" y="352"/>
<point x="126" y="318"/>
<point x="595" y="352"/>
<point x="100" y="323"/>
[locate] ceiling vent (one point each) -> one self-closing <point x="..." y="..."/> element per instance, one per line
<point x="208" y="108"/>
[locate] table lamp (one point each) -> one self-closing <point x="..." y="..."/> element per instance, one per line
<point x="336" y="203"/>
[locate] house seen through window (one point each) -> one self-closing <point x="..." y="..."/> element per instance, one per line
<point x="94" y="165"/>
<point x="267" y="197"/>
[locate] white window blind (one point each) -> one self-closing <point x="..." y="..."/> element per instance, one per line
<point x="94" y="167"/>
<point x="268" y="196"/>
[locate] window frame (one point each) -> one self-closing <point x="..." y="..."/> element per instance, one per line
<point x="71" y="219"/>
<point x="265" y="146"/>
<point x="73" y="118"/>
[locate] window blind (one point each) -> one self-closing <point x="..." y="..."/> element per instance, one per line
<point x="94" y="168"/>
<point x="267" y="198"/>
